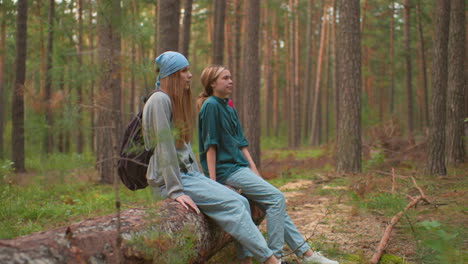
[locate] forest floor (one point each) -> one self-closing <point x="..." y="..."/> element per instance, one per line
<point x="345" y="216"/>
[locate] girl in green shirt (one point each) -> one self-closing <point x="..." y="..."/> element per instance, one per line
<point x="225" y="158"/>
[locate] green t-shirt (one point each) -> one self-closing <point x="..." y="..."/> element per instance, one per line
<point x="218" y="124"/>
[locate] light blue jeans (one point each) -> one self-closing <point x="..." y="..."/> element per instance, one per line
<point x="280" y="227"/>
<point x="230" y="210"/>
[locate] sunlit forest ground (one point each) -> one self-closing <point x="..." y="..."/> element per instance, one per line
<point x="344" y="216"/>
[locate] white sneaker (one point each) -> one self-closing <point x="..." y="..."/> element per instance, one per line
<point x="318" y="258"/>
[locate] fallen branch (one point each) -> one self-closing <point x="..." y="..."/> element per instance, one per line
<point x="384" y="241"/>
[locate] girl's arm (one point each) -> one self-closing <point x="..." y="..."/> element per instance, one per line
<point x="211" y="161"/>
<point x="252" y="165"/>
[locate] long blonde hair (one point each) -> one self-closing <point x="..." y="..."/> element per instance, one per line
<point x="182" y="106"/>
<point x="209" y="75"/>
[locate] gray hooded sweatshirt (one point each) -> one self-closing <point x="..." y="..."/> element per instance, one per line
<point x="165" y="165"/>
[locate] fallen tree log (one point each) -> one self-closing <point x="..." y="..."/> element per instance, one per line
<point x="150" y="235"/>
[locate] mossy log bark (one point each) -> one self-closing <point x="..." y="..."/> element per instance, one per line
<point x="95" y="240"/>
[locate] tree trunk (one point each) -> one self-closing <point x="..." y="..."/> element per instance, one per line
<point x="251" y="79"/>
<point x="456" y="84"/>
<point x="49" y="115"/>
<point x="17" y="138"/>
<point x="308" y="67"/>
<point x="109" y="127"/>
<point x="275" y="96"/>
<point x="218" y="31"/>
<point x="349" y="51"/>
<point x="408" y="69"/>
<point x="436" y="145"/>
<point x="79" y="88"/>
<point x="392" y="59"/>
<point x="2" y="79"/>
<point x="237" y="94"/>
<point x="422" y="54"/>
<point x="134" y="64"/>
<point x="318" y="76"/>
<point x="146" y="236"/>
<point x="169" y="14"/>
<point x="92" y="137"/>
<point x="336" y="92"/>
<point x="185" y="32"/>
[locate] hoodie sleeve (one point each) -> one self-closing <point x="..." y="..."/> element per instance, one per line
<point x="157" y="132"/>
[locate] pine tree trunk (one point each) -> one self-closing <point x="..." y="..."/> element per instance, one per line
<point x="91" y="92"/>
<point x="315" y="124"/>
<point x="48" y="137"/>
<point x="79" y="89"/>
<point x="436" y="144"/>
<point x="185" y="32"/>
<point x="296" y="95"/>
<point x="392" y="59"/>
<point x="237" y="94"/>
<point x="2" y="79"/>
<point x="109" y="123"/>
<point x="218" y="31"/>
<point x="308" y="67"/>
<point x="422" y="54"/>
<point x="169" y="14"/>
<point x="133" y="51"/>
<point x="336" y="92"/>
<point x="408" y="69"/>
<point x="251" y="79"/>
<point x="275" y="98"/>
<point x="349" y="51"/>
<point x="17" y="139"/>
<point x="456" y="84"/>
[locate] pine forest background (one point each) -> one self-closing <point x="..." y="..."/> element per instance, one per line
<point x="87" y="63"/>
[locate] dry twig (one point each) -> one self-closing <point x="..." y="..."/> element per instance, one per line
<point x="384" y="241"/>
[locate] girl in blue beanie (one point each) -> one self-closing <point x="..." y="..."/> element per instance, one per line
<point x="173" y="169"/>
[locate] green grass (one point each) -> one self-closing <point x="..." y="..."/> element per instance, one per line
<point x="61" y="192"/>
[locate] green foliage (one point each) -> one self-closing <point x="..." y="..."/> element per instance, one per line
<point x="60" y="162"/>
<point x="377" y="158"/>
<point x="53" y="199"/>
<point x="439" y="244"/>
<point x="6" y="168"/>
<point x="163" y="247"/>
<point x="388" y="203"/>
<point x="391" y="259"/>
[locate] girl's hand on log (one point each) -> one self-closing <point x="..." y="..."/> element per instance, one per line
<point x="187" y="202"/>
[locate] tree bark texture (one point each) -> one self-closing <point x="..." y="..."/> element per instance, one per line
<point x="456" y="84"/>
<point x="422" y="52"/>
<point x="18" y="93"/>
<point x="349" y="53"/>
<point x="315" y="105"/>
<point x="108" y="121"/>
<point x="169" y="13"/>
<point x="237" y="35"/>
<point x="80" y="143"/>
<point x="252" y="79"/>
<point x="95" y="240"/>
<point x="185" y="32"/>
<point x="218" y="31"/>
<point x="408" y="69"/>
<point x="436" y="146"/>
<point x="49" y="115"/>
<point x="2" y="79"/>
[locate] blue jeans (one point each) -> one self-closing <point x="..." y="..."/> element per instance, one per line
<point x="230" y="210"/>
<point x="280" y="227"/>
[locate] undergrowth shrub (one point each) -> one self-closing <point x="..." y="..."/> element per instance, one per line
<point x="438" y="243"/>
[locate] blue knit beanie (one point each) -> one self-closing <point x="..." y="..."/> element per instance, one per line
<point x="169" y="62"/>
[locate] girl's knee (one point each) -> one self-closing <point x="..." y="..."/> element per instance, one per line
<point x="279" y="198"/>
